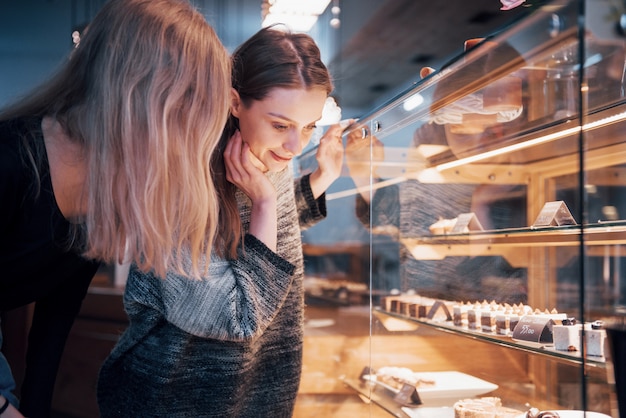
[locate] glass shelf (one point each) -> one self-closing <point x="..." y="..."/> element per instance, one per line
<point x="535" y="348"/>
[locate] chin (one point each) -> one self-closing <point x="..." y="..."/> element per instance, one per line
<point x="276" y="168"/>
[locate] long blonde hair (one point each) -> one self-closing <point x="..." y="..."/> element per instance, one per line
<point x="146" y="94"/>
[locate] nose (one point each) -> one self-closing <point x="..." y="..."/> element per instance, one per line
<point x="294" y="142"/>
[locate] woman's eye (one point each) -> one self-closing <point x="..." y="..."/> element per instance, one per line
<point x="309" y="128"/>
<point x="280" y="127"/>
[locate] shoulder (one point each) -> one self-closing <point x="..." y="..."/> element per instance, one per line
<point x="18" y="138"/>
<point x="18" y="174"/>
<point x="12" y="150"/>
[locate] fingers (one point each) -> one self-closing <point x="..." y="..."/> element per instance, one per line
<point x="235" y="157"/>
<point x="336" y="131"/>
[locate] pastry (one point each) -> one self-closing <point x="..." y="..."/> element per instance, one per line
<point x="459" y="314"/>
<point x="595" y="334"/>
<point x="442" y="226"/>
<point x="487" y="407"/>
<point x="566" y="336"/>
<point x="396" y="377"/>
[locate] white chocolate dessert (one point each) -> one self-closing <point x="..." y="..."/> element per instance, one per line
<point x="595" y="336"/>
<point x="566" y="336"/>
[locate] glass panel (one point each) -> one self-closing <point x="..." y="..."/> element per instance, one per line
<point x="486" y="206"/>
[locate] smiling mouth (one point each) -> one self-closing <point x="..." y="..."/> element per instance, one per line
<point x="279" y="158"/>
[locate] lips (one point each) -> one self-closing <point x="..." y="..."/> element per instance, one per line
<point x="280" y="158"/>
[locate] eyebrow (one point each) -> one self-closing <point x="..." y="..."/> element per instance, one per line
<point x="278" y="115"/>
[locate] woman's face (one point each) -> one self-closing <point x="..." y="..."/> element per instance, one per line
<point x="278" y="127"/>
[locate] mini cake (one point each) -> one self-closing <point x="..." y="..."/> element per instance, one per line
<point x="392" y="303"/>
<point x="389" y="302"/>
<point x="487" y="407"/>
<point x="518" y="311"/>
<point x="405" y="307"/>
<point x="488" y="320"/>
<point x="566" y="337"/>
<point x="514" y="318"/>
<point x="417" y="310"/>
<point x="503" y="321"/>
<point x="473" y="317"/>
<point x="594" y="339"/>
<point x="459" y="315"/>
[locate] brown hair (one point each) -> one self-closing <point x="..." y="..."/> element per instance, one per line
<point x="270" y="59"/>
<point x="146" y="95"/>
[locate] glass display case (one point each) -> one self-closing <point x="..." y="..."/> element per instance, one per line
<point x="478" y="231"/>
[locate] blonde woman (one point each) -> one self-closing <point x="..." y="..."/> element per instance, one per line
<point x="108" y="161"/>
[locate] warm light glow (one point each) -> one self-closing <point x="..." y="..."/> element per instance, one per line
<point x="297" y="15"/>
<point x="531" y="142"/>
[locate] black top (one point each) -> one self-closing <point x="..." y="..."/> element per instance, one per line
<point x="36" y="263"/>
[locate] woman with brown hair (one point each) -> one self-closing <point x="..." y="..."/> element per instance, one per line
<point x="230" y="344"/>
<point x="108" y="161"/>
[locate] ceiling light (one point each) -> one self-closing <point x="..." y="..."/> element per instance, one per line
<point x="297" y="15"/>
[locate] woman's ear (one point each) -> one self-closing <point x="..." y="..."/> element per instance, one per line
<point x="235" y="102"/>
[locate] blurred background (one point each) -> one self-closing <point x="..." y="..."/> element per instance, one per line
<point x="374" y="48"/>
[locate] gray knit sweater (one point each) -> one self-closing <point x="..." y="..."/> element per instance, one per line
<point x="229" y="345"/>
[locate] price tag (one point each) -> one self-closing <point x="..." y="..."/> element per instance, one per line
<point x="407" y="395"/>
<point x="466" y="222"/>
<point x="367" y="371"/>
<point x="534" y="328"/>
<point x="554" y="214"/>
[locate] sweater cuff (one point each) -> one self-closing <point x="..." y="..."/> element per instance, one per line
<point x="253" y="243"/>
<point x="317" y="206"/>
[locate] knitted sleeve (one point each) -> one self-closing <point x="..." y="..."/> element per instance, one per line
<point x="310" y="210"/>
<point x="235" y="301"/>
<point x="384" y="210"/>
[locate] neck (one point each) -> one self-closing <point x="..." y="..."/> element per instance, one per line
<point x="68" y="169"/>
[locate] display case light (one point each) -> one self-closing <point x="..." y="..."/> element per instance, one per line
<point x="297" y="15"/>
<point x="533" y="142"/>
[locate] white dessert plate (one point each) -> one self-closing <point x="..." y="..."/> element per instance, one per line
<point x="448" y="386"/>
<point x="425" y="412"/>
<point x="575" y="414"/>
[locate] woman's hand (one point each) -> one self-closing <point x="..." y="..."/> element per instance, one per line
<point x="329" y="159"/>
<point x="11" y="411"/>
<point x="363" y="156"/>
<point x="242" y="171"/>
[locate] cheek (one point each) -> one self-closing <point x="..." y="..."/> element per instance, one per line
<point x="247" y="131"/>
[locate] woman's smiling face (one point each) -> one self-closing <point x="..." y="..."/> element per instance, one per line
<point x="278" y="127"/>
